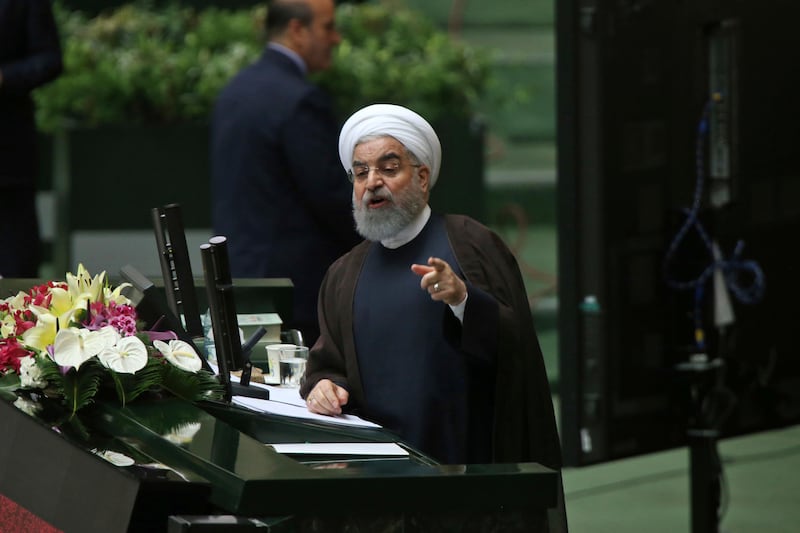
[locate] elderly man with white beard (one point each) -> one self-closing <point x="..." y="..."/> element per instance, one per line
<point x="425" y="326"/>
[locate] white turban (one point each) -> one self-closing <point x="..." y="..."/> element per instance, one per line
<point x="399" y="122"/>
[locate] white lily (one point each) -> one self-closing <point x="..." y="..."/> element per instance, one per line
<point x="116" y="295"/>
<point x="43" y="334"/>
<point x="127" y="356"/>
<point x="61" y="306"/>
<point x="60" y="302"/>
<point x="73" y="347"/>
<point x="180" y="354"/>
<point x="82" y="286"/>
<point x="17" y="301"/>
<point x="7" y="326"/>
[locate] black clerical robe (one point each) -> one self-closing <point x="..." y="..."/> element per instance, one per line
<point x="524" y="421"/>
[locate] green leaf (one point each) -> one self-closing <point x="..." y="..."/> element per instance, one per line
<point x="194" y="387"/>
<point x="52" y="374"/>
<point x="81" y="386"/>
<point x="129" y="386"/>
<point x="148" y="378"/>
<point x="9" y="384"/>
<point x="75" y="427"/>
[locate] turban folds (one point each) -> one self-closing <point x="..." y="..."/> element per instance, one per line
<point x="416" y="134"/>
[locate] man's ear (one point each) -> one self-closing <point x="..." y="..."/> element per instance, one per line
<point x="424" y="174"/>
<point x="294" y="33"/>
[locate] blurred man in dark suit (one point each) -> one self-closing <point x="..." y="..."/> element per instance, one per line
<point x="30" y="56"/>
<point x="278" y="191"/>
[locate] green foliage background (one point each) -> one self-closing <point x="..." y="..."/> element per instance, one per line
<point x="139" y="64"/>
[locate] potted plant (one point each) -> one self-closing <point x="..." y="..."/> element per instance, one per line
<point x="129" y="116"/>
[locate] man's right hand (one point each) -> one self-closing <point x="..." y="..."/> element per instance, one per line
<point x="327" y="398"/>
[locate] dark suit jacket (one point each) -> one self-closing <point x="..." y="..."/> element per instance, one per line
<point x="30" y="56"/>
<point x="279" y="192"/>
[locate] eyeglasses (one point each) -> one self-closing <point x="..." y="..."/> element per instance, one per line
<point x="386" y="169"/>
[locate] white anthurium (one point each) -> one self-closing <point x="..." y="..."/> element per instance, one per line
<point x="109" y="335"/>
<point x="127" y="356"/>
<point x="180" y="354"/>
<point x="73" y="347"/>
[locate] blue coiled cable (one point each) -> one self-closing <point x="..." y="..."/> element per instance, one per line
<point x="731" y="268"/>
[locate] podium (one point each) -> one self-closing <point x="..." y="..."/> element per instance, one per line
<point x="209" y="467"/>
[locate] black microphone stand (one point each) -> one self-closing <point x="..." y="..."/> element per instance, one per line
<point x="225" y="325"/>
<point x="704" y="461"/>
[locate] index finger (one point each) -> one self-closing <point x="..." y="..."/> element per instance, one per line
<point x="421" y="270"/>
<point x="438" y="264"/>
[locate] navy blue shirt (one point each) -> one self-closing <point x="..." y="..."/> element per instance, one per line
<point x="416" y="382"/>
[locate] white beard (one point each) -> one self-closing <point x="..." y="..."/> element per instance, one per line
<point x="387" y="221"/>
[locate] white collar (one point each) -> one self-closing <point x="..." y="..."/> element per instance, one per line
<point x="291" y="54"/>
<point x="407" y="234"/>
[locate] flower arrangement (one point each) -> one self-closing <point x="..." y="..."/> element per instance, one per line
<point x="73" y="339"/>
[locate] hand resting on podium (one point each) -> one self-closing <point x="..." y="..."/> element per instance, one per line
<point x="327" y="398"/>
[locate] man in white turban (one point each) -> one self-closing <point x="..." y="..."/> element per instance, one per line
<point x="406" y="126"/>
<point x="425" y="327"/>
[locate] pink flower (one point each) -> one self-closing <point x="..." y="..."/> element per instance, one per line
<point x="121" y="316"/>
<point x="125" y="325"/>
<point x="11" y="351"/>
<point x="24" y="323"/>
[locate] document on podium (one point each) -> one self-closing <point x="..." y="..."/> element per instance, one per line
<point x="286" y="401"/>
<point x="296" y="411"/>
<point x="383" y="449"/>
